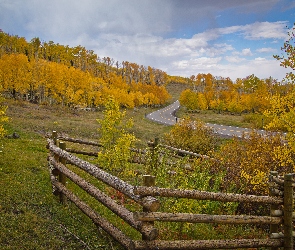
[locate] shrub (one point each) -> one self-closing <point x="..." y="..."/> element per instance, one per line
<point x="192" y="135"/>
<point x="248" y="161"/>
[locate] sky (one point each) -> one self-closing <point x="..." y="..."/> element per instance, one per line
<point x="227" y="38"/>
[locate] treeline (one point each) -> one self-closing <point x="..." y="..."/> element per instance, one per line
<point x="50" y="73"/>
<point x="249" y="94"/>
<point x="46" y="72"/>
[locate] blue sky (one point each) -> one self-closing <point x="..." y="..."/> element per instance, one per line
<point x="229" y="38"/>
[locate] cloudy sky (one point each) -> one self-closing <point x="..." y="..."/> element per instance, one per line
<point x="229" y="38"/>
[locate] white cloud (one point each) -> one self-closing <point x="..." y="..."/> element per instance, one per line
<point x="261" y="67"/>
<point x="246" y="52"/>
<point x="234" y="59"/>
<point x="144" y="32"/>
<point x="265" y="30"/>
<point x="266" y="50"/>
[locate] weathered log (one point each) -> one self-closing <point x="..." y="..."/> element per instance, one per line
<point x="81" y="152"/>
<point x="274" y="208"/>
<point x="54" y="137"/>
<point x="182" y="151"/>
<point x="281" y="213"/>
<point x="122" y="212"/>
<point x="276" y="192"/>
<point x="279" y="235"/>
<point x="277" y="180"/>
<point x="140" y="151"/>
<point x="276" y="213"/>
<point x="274" y="229"/>
<point x="280" y="180"/>
<point x="79" y="141"/>
<point x="207" y="244"/>
<point x="105" y="177"/>
<point x="206" y="218"/>
<point x="150" y="203"/>
<point x="117" y="234"/>
<point x="138" y="160"/>
<point x="55" y="171"/>
<point x="52" y="176"/>
<point x="279" y="187"/>
<point x="134" y="159"/>
<point x="203" y="195"/>
<point x="288" y="212"/>
<point x="148" y="180"/>
<point x="61" y="176"/>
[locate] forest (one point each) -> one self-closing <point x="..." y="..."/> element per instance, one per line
<point x="49" y="73"/>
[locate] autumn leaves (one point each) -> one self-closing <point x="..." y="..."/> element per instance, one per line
<point x="51" y="73"/>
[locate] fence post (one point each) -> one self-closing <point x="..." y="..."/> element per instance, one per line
<point x="54" y="171"/>
<point x="148" y="181"/>
<point x="273" y="208"/>
<point x="288" y="210"/>
<point x="61" y="176"/>
<point x="155" y="154"/>
<point x="54" y="137"/>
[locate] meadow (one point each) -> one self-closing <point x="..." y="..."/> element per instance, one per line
<point x="30" y="216"/>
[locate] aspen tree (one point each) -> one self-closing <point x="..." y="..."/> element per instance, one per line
<point x="115" y="138"/>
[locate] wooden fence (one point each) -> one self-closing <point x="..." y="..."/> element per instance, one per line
<point x="280" y="217"/>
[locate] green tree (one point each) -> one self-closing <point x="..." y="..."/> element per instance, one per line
<point x="115" y="139"/>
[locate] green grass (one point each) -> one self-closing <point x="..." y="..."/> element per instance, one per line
<point x="30" y="216"/>
<point x="209" y="116"/>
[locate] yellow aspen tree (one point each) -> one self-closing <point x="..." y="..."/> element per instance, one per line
<point x="202" y="101"/>
<point x="38" y="80"/>
<point x="218" y="105"/>
<point x="138" y="99"/>
<point x="282" y="108"/>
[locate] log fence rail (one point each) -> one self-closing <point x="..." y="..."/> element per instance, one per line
<point x="280" y="218"/>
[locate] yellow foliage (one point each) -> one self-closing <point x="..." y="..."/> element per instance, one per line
<point x="3" y="117"/>
<point x="52" y="82"/>
<point x="191" y="135"/>
<point x="248" y="162"/>
<point x="193" y="100"/>
<point x="282" y="115"/>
